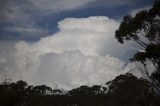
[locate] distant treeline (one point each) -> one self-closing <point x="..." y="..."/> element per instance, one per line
<point x="124" y="90"/>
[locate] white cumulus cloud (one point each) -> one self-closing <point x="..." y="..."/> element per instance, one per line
<point x="83" y="51"/>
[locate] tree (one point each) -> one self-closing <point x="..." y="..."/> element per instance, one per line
<point x="128" y="90"/>
<point x="42" y="90"/>
<point x="144" y="29"/>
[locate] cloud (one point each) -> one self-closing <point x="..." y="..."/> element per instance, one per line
<point x="91" y="36"/>
<point x="7" y="61"/>
<point x="24" y="11"/>
<point x="23" y="33"/>
<point x="60" y="5"/>
<point x="82" y="52"/>
<point x="73" y="69"/>
<point x="24" y="29"/>
<point x="32" y="14"/>
<point x="63" y="5"/>
<point x="27" y="11"/>
<point x="113" y="3"/>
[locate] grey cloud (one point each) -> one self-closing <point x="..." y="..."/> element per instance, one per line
<point x="27" y="13"/>
<point x="113" y="3"/>
<point x="8" y="69"/>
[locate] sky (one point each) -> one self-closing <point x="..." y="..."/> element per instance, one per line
<point x="65" y="43"/>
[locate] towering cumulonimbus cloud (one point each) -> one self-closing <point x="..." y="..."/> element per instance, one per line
<point x="81" y="52"/>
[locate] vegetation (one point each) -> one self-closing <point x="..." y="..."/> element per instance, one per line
<point x="124" y="90"/>
<point x="144" y="29"/>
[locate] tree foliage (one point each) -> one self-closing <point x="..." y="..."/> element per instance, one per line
<point x="124" y="90"/>
<point x="144" y="29"/>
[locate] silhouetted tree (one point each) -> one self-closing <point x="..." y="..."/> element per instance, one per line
<point x="128" y="90"/>
<point x="144" y="29"/>
<point x="124" y="90"/>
